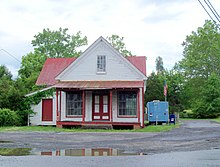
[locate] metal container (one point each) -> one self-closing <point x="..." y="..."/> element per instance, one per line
<point x="158" y="112"/>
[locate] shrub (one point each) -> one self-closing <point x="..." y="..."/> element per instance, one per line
<point x="23" y="114"/>
<point x="9" y="117"/>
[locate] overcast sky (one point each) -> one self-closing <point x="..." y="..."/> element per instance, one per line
<point x="151" y="28"/>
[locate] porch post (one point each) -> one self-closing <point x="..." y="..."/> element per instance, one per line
<point x="60" y="106"/>
<point x="138" y="104"/>
<point x="83" y="106"/>
<point x="110" y="106"/>
<point x="57" y="101"/>
<point x="143" y="105"/>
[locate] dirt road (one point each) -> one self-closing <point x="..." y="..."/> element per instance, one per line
<point x="191" y="136"/>
<point x="195" y="143"/>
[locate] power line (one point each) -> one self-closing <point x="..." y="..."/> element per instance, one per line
<point x="10" y="55"/>
<point x="212" y="11"/>
<point x="206" y="11"/>
<point x="213" y="8"/>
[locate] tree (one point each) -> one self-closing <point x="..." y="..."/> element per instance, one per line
<point x="9" y="91"/>
<point x="48" y="44"/>
<point x="154" y="88"/>
<point x="118" y="43"/>
<point x="159" y="65"/>
<point x="209" y="105"/>
<point x="175" y="82"/>
<point x="201" y="60"/>
<point x="31" y="66"/>
<point x="58" y="43"/>
<point x="201" y="52"/>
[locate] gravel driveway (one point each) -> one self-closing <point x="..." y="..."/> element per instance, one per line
<point x="195" y="143"/>
<point x="192" y="135"/>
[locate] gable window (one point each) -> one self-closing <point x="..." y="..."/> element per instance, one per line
<point x="127" y="103"/>
<point x="73" y="103"/>
<point x="101" y="64"/>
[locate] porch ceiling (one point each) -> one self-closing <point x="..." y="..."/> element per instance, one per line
<point x="99" y="84"/>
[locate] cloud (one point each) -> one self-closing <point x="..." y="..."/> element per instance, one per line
<point x="151" y="28"/>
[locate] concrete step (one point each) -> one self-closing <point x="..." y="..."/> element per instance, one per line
<point x="97" y="126"/>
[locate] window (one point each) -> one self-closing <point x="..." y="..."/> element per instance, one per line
<point x="127" y="103"/>
<point x="101" y="64"/>
<point x="73" y="103"/>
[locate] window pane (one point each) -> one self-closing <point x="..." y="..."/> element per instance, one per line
<point x="101" y="63"/>
<point x="105" y="108"/>
<point x="97" y="108"/>
<point x="127" y="103"/>
<point x="73" y="103"/>
<point x="97" y="99"/>
<point x="105" y="99"/>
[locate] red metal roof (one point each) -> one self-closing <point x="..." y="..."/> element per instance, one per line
<point x="139" y="62"/>
<point x="52" y="67"/>
<point x="99" y="84"/>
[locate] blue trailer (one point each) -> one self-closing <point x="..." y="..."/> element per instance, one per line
<point x="158" y="112"/>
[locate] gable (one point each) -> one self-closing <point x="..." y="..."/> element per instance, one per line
<point x="52" y="67"/>
<point x="117" y="66"/>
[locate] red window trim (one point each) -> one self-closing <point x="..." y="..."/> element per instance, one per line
<point x="74" y="116"/>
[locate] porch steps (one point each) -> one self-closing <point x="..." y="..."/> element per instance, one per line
<point x="97" y="126"/>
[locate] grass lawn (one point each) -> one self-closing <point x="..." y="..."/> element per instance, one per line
<point x="217" y="119"/>
<point x="152" y="128"/>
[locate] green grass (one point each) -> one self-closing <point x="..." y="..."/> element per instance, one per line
<point x="217" y="119"/>
<point x="152" y="128"/>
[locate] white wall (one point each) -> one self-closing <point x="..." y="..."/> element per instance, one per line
<point x="115" y="111"/>
<point x="63" y="110"/>
<point x="85" y="67"/>
<point x="36" y="119"/>
<point x="88" y="108"/>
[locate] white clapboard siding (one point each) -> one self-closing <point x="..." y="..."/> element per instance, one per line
<point x="85" y="67"/>
<point x="36" y="118"/>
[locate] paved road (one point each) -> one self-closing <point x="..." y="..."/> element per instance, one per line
<point x="205" y="158"/>
<point x="195" y="142"/>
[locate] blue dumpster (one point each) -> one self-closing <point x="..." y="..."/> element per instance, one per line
<point x="172" y="119"/>
<point x="158" y="112"/>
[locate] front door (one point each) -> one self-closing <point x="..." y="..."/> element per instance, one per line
<point x="100" y="107"/>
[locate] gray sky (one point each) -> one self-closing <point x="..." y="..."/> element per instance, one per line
<point x="151" y="27"/>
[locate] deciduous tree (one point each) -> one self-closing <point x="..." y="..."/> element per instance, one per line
<point x="118" y="43"/>
<point x="59" y="43"/>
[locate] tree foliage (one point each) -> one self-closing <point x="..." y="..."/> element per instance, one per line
<point x="31" y="66"/>
<point x="209" y="105"/>
<point x="58" y="43"/>
<point x="9" y="118"/>
<point x="118" y="43"/>
<point x="159" y="65"/>
<point x="5" y="73"/>
<point x="48" y="44"/>
<point x="175" y="96"/>
<point x="154" y="88"/>
<point x="201" y="52"/>
<point x="201" y="63"/>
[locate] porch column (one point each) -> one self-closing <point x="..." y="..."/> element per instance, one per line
<point x="60" y="106"/>
<point x="83" y="106"/>
<point x="143" y="105"/>
<point x="57" y="107"/>
<point x="138" y="105"/>
<point x="110" y="106"/>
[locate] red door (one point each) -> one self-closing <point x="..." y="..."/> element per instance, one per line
<point x="100" y="107"/>
<point x="47" y="110"/>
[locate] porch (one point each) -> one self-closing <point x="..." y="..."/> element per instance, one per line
<point x="91" y="106"/>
